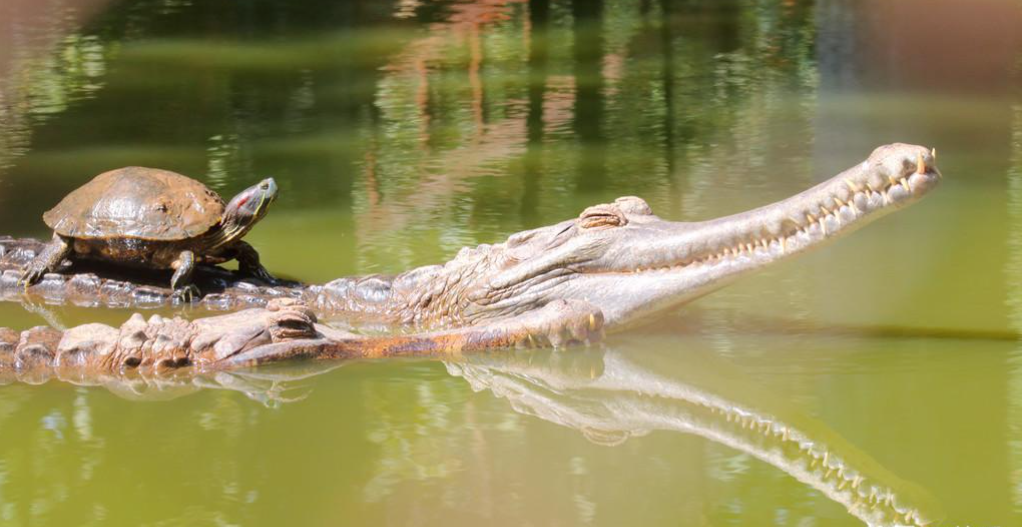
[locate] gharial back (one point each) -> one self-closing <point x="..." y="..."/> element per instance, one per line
<point x="137" y="202"/>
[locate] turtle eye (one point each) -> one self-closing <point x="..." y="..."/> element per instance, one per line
<point x="264" y="186"/>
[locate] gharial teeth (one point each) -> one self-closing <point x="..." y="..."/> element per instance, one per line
<point x="813" y="220"/>
<point x="921" y="163"/>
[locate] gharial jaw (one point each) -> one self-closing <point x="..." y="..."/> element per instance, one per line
<point x="628" y="262"/>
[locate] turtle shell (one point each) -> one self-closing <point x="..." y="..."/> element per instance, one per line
<point x="137" y="202"/>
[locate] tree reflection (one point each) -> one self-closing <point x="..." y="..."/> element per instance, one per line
<point x="405" y="113"/>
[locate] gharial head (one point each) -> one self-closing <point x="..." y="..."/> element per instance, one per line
<point x="247" y="208"/>
<point x="629" y="262"/>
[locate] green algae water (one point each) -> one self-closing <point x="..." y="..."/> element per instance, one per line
<point x="402" y="131"/>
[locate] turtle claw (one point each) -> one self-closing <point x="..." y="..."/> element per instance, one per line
<point x="263" y="275"/>
<point x="31" y="274"/>
<point x="186" y="294"/>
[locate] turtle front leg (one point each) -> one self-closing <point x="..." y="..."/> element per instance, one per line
<point x="46" y="261"/>
<point x="181" y="282"/>
<point x="249" y="263"/>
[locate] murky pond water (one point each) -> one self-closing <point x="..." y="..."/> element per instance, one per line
<point x="402" y="131"/>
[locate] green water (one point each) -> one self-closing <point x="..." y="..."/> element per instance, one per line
<point x="400" y="132"/>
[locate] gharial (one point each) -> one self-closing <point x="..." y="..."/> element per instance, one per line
<point x="154" y="218"/>
<point x="568" y="282"/>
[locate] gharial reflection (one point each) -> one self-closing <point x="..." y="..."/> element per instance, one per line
<point x="612" y="395"/>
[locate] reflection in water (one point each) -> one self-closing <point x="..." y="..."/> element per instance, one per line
<point x="602" y="100"/>
<point x="589" y="101"/>
<point x="609" y="396"/>
<point x="271" y="386"/>
<point x="613" y="396"/>
<point x="46" y="70"/>
<point x="420" y="133"/>
<point x="1012" y="267"/>
<point x="427" y="143"/>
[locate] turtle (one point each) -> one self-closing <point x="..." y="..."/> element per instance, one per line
<point x="157" y="219"/>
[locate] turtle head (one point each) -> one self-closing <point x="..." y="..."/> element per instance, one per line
<point x="247" y="208"/>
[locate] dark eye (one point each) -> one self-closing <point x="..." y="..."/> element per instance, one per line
<point x="263" y="186"/>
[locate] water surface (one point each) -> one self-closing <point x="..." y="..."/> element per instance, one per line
<point x="401" y="132"/>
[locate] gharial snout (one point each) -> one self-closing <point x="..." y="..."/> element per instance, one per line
<point x="900" y="171"/>
<point x="892" y="177"/>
